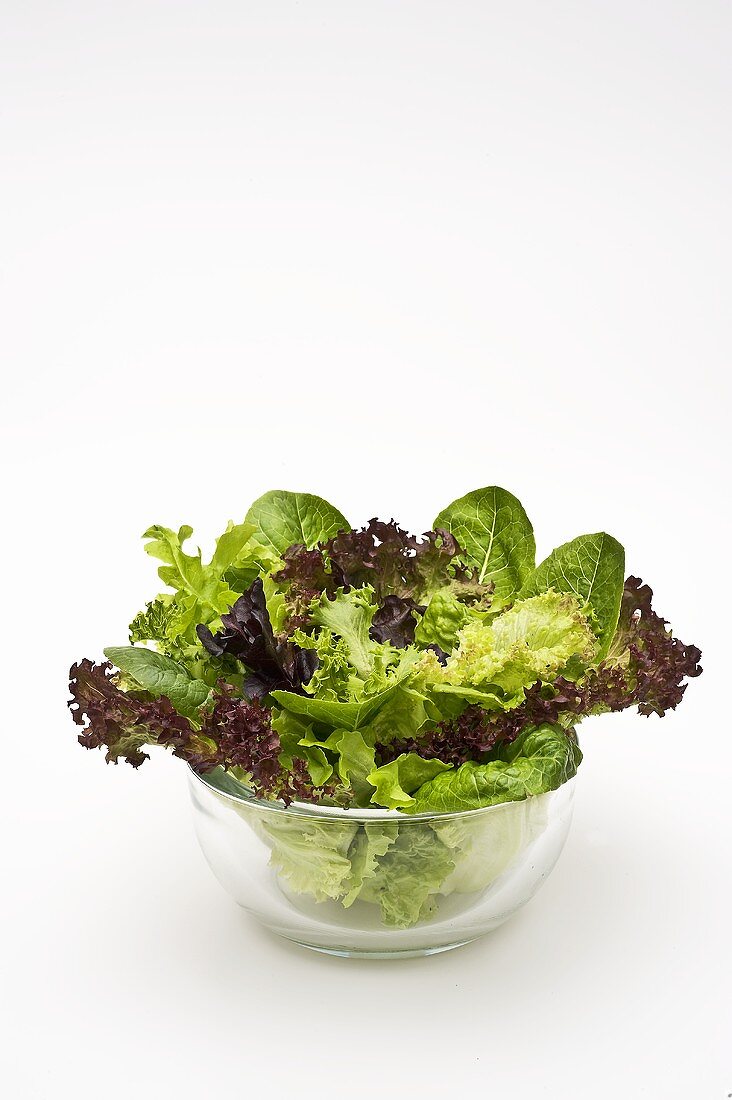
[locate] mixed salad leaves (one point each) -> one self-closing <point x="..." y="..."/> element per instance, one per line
<point x="311" y="661"/>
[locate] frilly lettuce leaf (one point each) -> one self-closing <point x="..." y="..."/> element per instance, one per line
<point x="532" y="641"/>
<point x="539" y="760"/>
<point x="349" y="616"/>
<point x="366" y="699"/>
<point x="187" y="574"/>
<point x="203" y="592"/>
<point x="334" y="679"/>
<point x="247" y="635"/>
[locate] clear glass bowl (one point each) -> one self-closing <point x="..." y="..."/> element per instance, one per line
<point x="377" y="883"/>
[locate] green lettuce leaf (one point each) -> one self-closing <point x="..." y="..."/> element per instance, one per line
<point x="591" y="568"/>
<point x="349" y="615"/>
<point x="408" y="876"/>
<point x="532" y="641"/>
<point x="367" y="696"/>
<point x="355" y="758"/>
<point x="370" y="842"/>
<point x="338" y="715"/>
<point x="496" y="538"/>
<point x="203" y="591"/>
<point x="539" y="760"/>
<point x="311" y="856"/>
<point x="284" y="519"/>
<point x="395" y="781"/>
<point x="485" y="845"/>
<point x="334" y="679"/>
<point x="449" y="610"/>
<point x="160" y="675"/>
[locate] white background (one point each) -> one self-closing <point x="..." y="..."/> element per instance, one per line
<point x="384" y="252"/>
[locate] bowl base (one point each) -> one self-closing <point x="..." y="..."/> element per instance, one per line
<point x="350" y="953"/>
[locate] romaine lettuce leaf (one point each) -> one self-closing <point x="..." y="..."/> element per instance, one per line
<point x="591" y="568"/>
<point x="496" y="537"/>
<point x="283" y="519"/>
<point x="539" y="760"/>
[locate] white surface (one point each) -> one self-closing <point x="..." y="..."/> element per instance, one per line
<point x="386" y="252"/>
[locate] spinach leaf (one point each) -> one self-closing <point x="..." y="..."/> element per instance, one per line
<point x="283" y="519"/>
<point x="160" y="675"/>
<point x="592" y="568"/>
<point x="495" y="536"/>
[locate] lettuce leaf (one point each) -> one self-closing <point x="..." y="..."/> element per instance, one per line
<point x="206" y="594"/>
<point x="355" y="758"/>
<point x="370" y="842"/>
<point x="160" y="675"/>
<point x="283" y="519"/>
<point x="407" y="878"/>
<point x="496" y="538"/>
<point x="247" y="635"/>
<point x="394" y="622"/>
<point x="335" y="714"/>
<point x="403" y="571"/>
<point x="124" y="724"/>
<point x="349" y="615"/>
<point x="395" y="781"/>
<point x="311" y="856"/>
<point x="534" y="640"/>
<point x="539" y="760"/>
<point x="591" y="568"/>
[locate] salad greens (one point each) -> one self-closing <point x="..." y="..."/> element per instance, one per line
<point x="366" y="668"/>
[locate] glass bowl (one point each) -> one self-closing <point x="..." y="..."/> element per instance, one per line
<point x="377" y="883"/>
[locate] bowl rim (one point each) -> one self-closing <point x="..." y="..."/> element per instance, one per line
<point x="361" y="814"/>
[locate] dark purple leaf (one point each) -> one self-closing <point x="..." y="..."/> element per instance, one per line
<point x="394" y="622"/>
<point x="247" y="634"/>
<point x="123" y="723"/>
